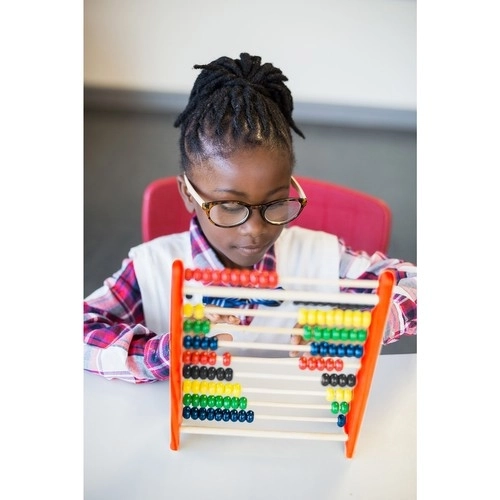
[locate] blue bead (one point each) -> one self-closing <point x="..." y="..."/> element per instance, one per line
<point x="323" y="348"/>
<point x="341" y="420"/>
<point x="218" y="415"/>
<point x="196" y="342"/>
<point x="204" y="343"/>
<point x="314" y="348"/>
<point x="213" y="344"/>
<point x="234" y="415"/>
<point x="226" y="415"/>
<point x="250" y="416"/>
<point x="349" y="351"/>
<point x="332" y="350"/>
<point x="186" y="412"/>
<point x="194" y="413"/>
<point x="202" y="414"/>
<point x="340" y="351"/>
<point x="210" y="413"/>
<point x="358" y="351"/>
<point x="187" y="342"/>
<point x="242" y="416"/>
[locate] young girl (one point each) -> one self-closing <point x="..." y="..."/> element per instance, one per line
<point x="236" y="175"/>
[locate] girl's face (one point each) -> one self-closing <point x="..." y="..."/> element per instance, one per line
<point x="253" y="176"/>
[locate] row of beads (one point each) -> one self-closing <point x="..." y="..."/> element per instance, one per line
<point x="203" y="400"/>
<point x="204" y="343"/>
<point x="204" y="387"/>
<point x="196" y="326"/>
<point x="311" y="363"/>
<point x="340" y="350"/>
<point x="348" y="318"/>
<point x="218" y="414"/>
<point x="337" y="407"/>
<point x="342" y="379"/>
<point x="195" y="372"/>
<point x="199" y="357"/>
<point x="338" y="394"/>
<point x="327" y="333"/>
<point x="234" y="277"/>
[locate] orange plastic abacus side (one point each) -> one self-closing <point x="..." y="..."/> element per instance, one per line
<point x="175" y="353"/>
<point x="373" y="345"/>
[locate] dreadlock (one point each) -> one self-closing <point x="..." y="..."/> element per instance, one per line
<point x="235" y="103"/>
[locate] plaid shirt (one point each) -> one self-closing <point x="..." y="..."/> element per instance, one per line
<point x="115" y="335"/>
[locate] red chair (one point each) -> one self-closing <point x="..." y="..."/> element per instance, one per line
<point x="362" y="220"/>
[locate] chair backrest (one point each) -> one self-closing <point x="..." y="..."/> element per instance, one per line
<point x="362" y="220"/>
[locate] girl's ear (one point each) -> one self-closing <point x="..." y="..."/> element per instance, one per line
<point x="189" y="203"/>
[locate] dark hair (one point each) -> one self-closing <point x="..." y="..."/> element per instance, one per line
<point x="236" y="103"/>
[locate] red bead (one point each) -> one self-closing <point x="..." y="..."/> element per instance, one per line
<point x="273" y="279"/>
<point x="212" y="358"/>
<point x="311" y="363"/>
<point x="339" y="365"/>
<point x="235" y="277"/>
<point x="320" y="364"/>
<point x="197" y="274"/>
<point x="188" y="274"/>
<point x="303" y="362"/>
<point x="254" y="278"/>
<point x="264" y="279"/>
<point x="225" y="276"/>
<point x="226" y="359"/>
<point x="204" y="358"/>
<point x="206" y="275"/>
<point x="195" y="357"/>
<point x="330" y="364"/>
<point x="244" y="277"/>
<point x="186" y="357"/>
<point x="216" y="277"/>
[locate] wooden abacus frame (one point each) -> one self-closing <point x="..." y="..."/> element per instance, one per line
<point x="381" y="301"/>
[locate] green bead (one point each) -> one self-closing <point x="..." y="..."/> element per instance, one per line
<point x="203" y="400"/>
<point x="353" y="335"/>
<point x="344" y="407"/>
<point x="362" y="334"/>
<point x="335" y="407"/>
<point x="317" y="332"/>
<point x="243" y="403"/>
<point x="205" y="327"/>
<point x="186" y="400"/>
<point x="327" y="333"/>
<point x="227" y="402"/>
<point x="188" y="325"/>
<point x="197" y="326"/>
<point x="307" y="332"/>
<point x="196" y="400"/>
<point x="335" y="333"/>
<point x="235" y="402"/>
<point x="344" y="334"/>
<point x="211" y="401"/>
<point x="219" y="401"/>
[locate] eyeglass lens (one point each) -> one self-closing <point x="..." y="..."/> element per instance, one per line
<point x="230" y="214"/>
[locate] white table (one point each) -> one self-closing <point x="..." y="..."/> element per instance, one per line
<point x="127" y="449"/>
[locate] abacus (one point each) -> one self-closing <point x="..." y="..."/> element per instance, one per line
<point x="319" y="394"/>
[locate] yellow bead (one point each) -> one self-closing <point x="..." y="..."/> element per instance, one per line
<point x="199" y="311"/>
<point x="320" y="317"/>
<point x="211" y="388"/>
<point x="367" y="318"/>
<point x="339" y="394"/>
<point x="195" y="387"/>
<point x="348" y="318"/>
<point x="237" y="390"/>
<point x="302" y="317"/>
<point x="228" y="389"/>
<point x="356" y="318"/>
<point x="347" y="395"/>
<point x="188" y="310"/>
<point x="330" y="394"/>
<point x="330" y="318"/>
<point x="219" y="388"/>
<point x="186" y="386"/>
<point x="204" y="387"/>
<point x="311" y="317"/>
<point x="338" y="317"/>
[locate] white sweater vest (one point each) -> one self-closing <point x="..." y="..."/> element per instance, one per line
<point x="299" y="253"/>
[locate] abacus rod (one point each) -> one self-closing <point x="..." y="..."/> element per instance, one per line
<point x="293" y="392"/>
<point x="278" y="294"/>
<point x="219" y="431"/>
<point x="355" y="364"/>
<point x="274" y="376"/>
<point x="289" y="418"/>
<point x="342" y="283"/>
<point x="302" y="406"/>
<point x="223" y="328"/>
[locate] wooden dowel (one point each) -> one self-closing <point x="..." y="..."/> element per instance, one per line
<point x="277" y="294"/>
<point x="224" y="431"/>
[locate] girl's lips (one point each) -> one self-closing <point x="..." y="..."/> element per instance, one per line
<point x="251" y="250"/>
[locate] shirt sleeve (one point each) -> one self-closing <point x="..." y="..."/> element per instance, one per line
<point x="402" y="319"/>
<point x="117" y="344"/>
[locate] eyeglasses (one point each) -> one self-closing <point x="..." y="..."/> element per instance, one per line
<point x="229" y="213"/>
